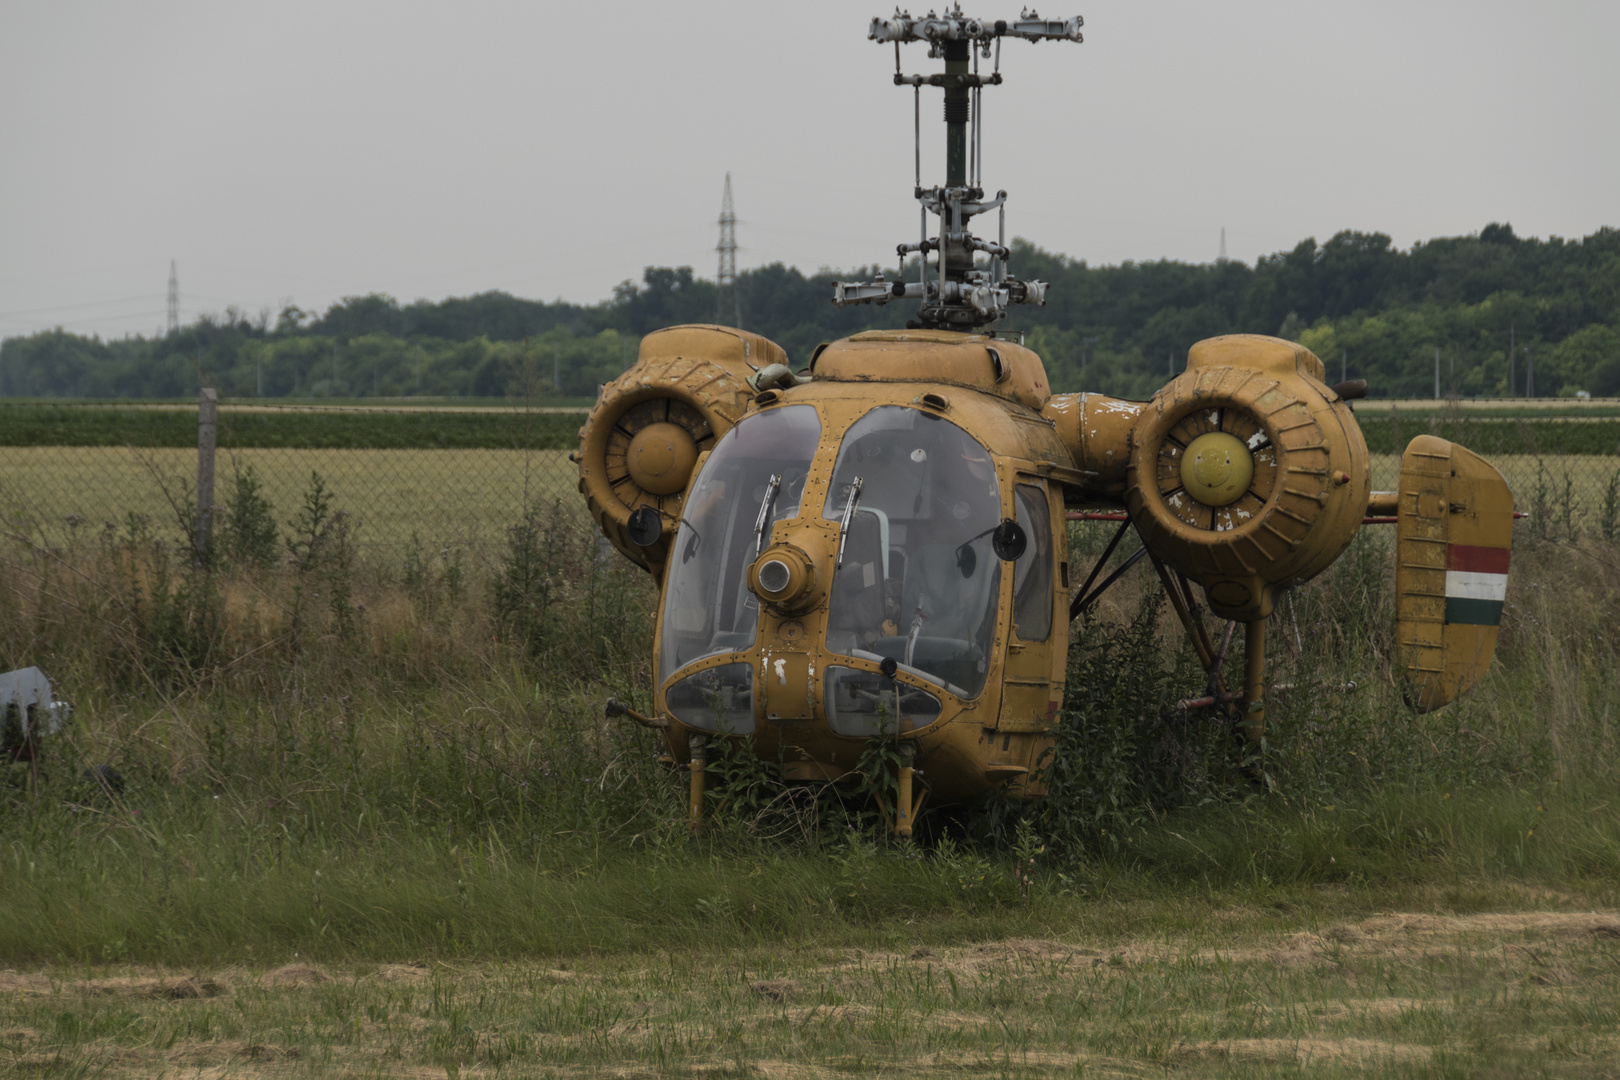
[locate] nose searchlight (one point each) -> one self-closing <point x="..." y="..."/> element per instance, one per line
<point x="775" y="576"/>
<point x="784" y="578"/>
<point x="1217" y="468"/>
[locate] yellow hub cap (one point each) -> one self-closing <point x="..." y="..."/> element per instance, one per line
<point x="1217" y="468"/>
<point x="661" y="457"/>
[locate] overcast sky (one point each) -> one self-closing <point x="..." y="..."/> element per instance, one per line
<point x="303" y="151"/>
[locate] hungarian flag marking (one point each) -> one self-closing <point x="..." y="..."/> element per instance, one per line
<point x="1476" y="584"/>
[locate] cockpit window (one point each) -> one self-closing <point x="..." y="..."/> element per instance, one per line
<point x="707" y="606"/>
<point x="1032" y="580"/>
<point x="919" y="580"/>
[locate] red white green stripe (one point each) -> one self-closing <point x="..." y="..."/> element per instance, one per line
<point x="1476" y="584"/>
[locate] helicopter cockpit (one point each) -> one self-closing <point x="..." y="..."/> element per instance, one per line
<point x="912" y="503"/>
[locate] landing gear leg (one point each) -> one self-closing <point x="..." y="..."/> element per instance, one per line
<point x="1254" y="690"/>
<point x="906" y="806"/>
<point x="903" y="822"/>
<point x="694" y="804"/>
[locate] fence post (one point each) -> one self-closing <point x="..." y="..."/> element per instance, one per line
<point x="207" y="420"/>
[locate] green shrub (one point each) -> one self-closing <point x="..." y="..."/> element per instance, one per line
<point x="1121" y="756"/>
<point x="249" y="534"/>
<point x="320" y="544"/>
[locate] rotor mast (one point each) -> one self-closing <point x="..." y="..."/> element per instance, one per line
<point x="959" y="112"/>
<point x="956" y="293"/>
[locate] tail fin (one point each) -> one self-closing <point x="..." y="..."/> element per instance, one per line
<point x="1454" y="531"/>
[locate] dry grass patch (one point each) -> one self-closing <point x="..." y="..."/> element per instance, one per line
<point x="163" y="988"/>
<point x="294" y="976"/>
<point x="1361" y="1052"/>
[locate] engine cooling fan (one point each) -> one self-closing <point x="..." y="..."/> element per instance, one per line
<point x="651" y="449"/>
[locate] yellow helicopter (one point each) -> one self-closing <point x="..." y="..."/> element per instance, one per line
<point x="877" y="545"/>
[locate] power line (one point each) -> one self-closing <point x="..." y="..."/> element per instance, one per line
<point x="78" y="307"/>
<point x="121" y="317"/>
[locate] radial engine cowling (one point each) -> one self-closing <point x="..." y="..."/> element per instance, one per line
<point x="1247" y="473"/>
<point x="643" y="437"/>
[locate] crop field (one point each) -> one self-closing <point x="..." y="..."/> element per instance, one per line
<point x="1568" y="406"/>
<point x="243" y="426"/>
<point x="1493" y="434"/>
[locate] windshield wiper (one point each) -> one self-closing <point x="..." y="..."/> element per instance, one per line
<point x="692" y="544"/>
<point x="849" y="512"/>
<point x="765" y="512"/>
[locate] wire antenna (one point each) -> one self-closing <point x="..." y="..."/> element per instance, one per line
<point x="961" y="291"/>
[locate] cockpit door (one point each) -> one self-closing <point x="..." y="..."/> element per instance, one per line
<point x="1032" y="674"/>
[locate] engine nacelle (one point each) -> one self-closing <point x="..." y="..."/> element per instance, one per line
<point x="649" y="426"/>
<point x="1246" y="472"/>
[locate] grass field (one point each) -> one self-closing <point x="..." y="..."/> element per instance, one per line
<point x="444" y="496"/>
<point x="1210" y="988"/>
<point x="375" y="823"/>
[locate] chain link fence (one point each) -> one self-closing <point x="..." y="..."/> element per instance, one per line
<point x="433" y="478"/>
<point x="421" y="478"/>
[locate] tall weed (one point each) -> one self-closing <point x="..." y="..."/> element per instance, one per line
<point x="1609" y="510"/>
<point x="250" y="538"/>
<point x="1116" y="761"/>
<point x="577" y="614"/>
<point x="450" y="739"/>
<point x="320" y="546"/>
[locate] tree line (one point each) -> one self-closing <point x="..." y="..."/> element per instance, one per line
<point x="1366" y="307"/>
